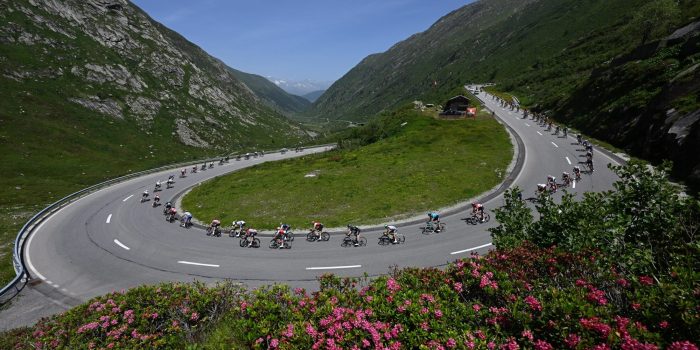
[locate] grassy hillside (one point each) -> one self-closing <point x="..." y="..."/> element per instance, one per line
<point x="553" y="55"/>
<point x="405" y="170"/>
<point x="91" y="92"/>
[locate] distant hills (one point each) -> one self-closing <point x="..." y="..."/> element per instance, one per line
<point x="272" y="94"/>
<point x="300" y="87"/>
<point x="314" y="95"/>
<point x="550" y="52"/>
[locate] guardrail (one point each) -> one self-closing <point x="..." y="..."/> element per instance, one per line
<point x="15" y="286"/>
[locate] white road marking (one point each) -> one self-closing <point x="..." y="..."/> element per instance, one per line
<point x="127" y="198"/>
<point x="470" y="249"/>
<point x="539" y="133"/>
<point x="121" y="244"/>
<point x="574" y="183"/>
<point x="334" y="267"/>
<point x="568" y="160"/>
<point x="28" y="256"/>
<point x="526" y="124"/>
<point x="555" y="145"/>
<point x="196" y="263"/>
<point x="109" y="218"/>
<point x="64" y="290"/>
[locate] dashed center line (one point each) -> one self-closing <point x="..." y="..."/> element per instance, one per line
<point x="127" y="198"/>
<point x="568" y="160"/>
<point x="121" y="244"/>
<point x="333" y="267"/>
<point x="471" y="249"/>
<point x="574" y="183"/>
<point x="196" y="263"/>
<point x="539" y="133"/>
<point x="109" y="218"/>
<point x="555" y="145"/>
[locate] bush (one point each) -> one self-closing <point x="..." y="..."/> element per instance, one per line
<point x="149" y="317"/>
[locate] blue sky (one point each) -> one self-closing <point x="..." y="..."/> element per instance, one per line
<point x="305" y="39"/>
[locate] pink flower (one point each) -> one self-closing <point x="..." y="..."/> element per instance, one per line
<point x="438" y="314"/>
<point x="663" y="324"/>
<point x="682" y="345"/>
<point x="290" y="331"/>
<point x="533" y="303"/>
<point x="458" y="287"/>
<point x="635" y="306"/>
<point x="622" y="282"/>
<point x="511" y="344"/>
<point x="194" y="316"/>
<point x="595" y="324"/>
<point x="424" y="310"/>
<point x="572" y="340"/>
<point x="527" y="334"/>
<point x="543" y="345"/>
<point x="274" y="343"/>
<point x="424" y="326"/>
<point x="476" y="307"/>
<point x="646" y="280"/>
<point x="369" y="298"/>
<point x="392" y="285"/>
<point x="597" y="296"/>
<point x="451" y="343"/>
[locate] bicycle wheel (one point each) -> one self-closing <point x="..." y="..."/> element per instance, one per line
<point x="244" y="242"/>
<point x="362" y="241"/>
<point x="426" y="230"/>
<point x="471" y="220"/>
<point x="273" y="244"/>
<point x="346" y="242"/>
<point x="287" y="245"/>
<point x="384" y="241"/>
<point x="487" y="217"/>
<point x="443" y="227"/>
<point x="255" y="243"/>
<point x="401" y="238"/>
<point x="325" y="236"/>
<point x="290" y="236"/>
<point x="311" y="237"/>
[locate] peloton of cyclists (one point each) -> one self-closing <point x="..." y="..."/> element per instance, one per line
<point x="390" y="231"/>
<point x="478" y="210"/>
<point x="355" y="232"/>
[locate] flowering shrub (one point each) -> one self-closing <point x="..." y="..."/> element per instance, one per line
<point x="526" y="297"/>
<point x="148" y="317"/>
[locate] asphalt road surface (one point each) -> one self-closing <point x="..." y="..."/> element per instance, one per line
<point x="109" y="240"/>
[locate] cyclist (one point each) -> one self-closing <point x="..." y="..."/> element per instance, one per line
<point x="183" y="172"/>
<point x="541" y="188"/>
<point x="238" y="226"/>
<point x="567" y="179"/>
<point x="435" y="219"/>
<point x="157" y="186"/>
<point x="170" y="182"/>
<point x="478" y="210"/>
<point x="168" y="205"/>
<point x="566" y="131"/>
<point x="251" y="232"/>
<point x="589" y="163"/>
<point x="285" y="227"/>
<point x="194" y="169"/>
<point x="390" y="231"/>
<point x="578" y="138"/>
<point x="186" y="219"/>
<point x="144" y="196"/>
<point x="552" y="181"/>
<point x="214" y="226"/>
<point x="577" y="173"/>
<point x="589" y="155"/>
<point x="316" y="228"/>
<point x="355" y="231"/>
<point x="172" y="213"/>
<point x="156" y="200"/>
<point x="211" y="164"/>
<point x="280" y="237"/>
<point x="589" y="147"/>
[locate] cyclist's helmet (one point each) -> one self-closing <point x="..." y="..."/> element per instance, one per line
<point x="386" y="226"/>
<point x="349" y="226"/>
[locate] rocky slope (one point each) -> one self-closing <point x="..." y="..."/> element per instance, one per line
<point x="110" y="58"/>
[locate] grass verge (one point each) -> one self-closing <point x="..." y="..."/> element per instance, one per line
<point x="425" y="164"/>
